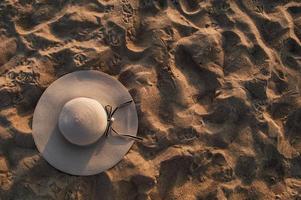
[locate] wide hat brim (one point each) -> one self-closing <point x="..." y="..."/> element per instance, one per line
<point x="91" y="159"/>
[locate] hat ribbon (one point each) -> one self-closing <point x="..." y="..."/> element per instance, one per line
<point x="110" y="114"/>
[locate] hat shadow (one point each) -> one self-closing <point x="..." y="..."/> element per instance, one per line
<point x="80" y="165"/>
<point x="85" y="153"/>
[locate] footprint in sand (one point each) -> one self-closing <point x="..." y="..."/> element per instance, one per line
<point x="80" y="59"/>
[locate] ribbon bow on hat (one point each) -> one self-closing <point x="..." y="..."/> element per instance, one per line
<point x="110" y="115"/>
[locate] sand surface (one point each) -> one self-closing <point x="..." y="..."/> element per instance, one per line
<point x="216" y="84"/>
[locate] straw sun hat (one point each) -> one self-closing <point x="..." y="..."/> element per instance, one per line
<point x="85" y="122"/>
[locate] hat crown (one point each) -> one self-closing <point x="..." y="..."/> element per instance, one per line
<point x="82" y="121"/>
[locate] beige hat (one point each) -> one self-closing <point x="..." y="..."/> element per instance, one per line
<point x="85" y="122"/>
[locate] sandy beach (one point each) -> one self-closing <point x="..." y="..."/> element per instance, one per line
<point x="216" y="86"/>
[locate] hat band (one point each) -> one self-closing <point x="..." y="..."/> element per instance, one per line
<point x="110" y="117"/>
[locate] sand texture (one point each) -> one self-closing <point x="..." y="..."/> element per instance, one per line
<point x="216" y="85"/>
